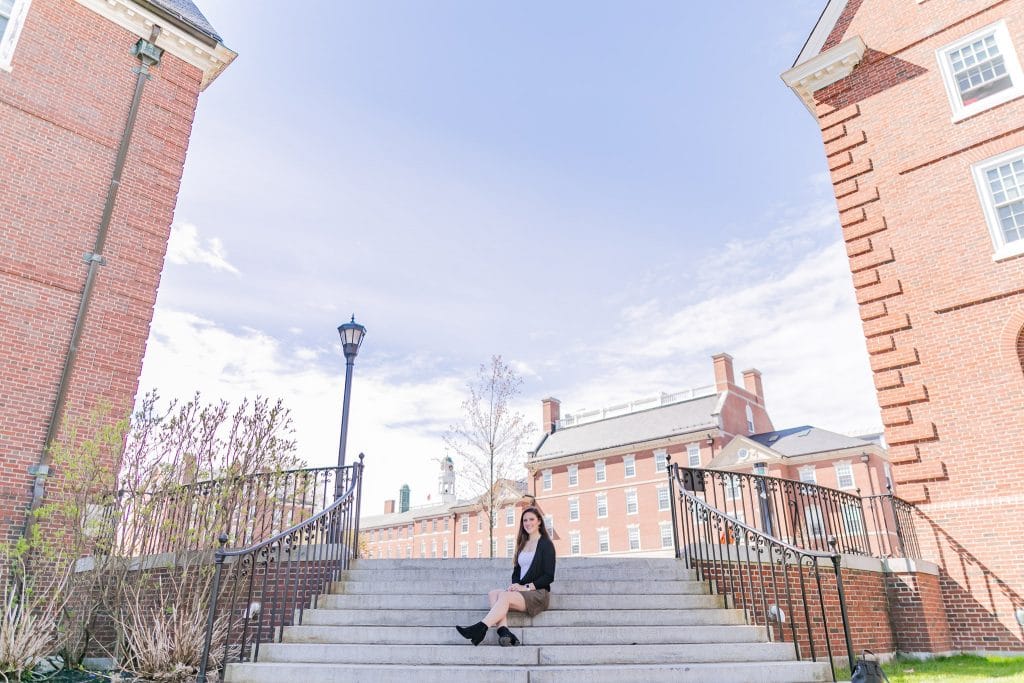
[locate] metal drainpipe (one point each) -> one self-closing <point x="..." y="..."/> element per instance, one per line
<point x="149" y="55"/>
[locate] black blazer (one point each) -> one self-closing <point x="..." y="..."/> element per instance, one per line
<point x="542" y="571"/>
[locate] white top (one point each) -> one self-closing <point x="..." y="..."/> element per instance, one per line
<point x="525" y="560"/>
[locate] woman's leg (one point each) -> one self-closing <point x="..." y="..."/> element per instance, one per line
<point x="492" y="597"/>
<point x="505" y="601"/>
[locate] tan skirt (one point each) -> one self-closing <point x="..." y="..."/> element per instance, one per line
<point x="536" y="601"/>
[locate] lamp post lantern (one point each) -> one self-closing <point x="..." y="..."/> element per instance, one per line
<point x="352" y="334"/>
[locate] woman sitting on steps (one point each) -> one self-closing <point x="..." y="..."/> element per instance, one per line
<point x="529" y="591"/>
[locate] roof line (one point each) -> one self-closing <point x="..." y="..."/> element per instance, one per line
<point x="822" y="29"/>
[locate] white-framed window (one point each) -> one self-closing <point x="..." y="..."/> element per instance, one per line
<point x="750" y="420"/>
<point x="464" y="549"/>
<point x="693" y="455"/>
<point x="423" y="548"/>
<point x="510" y="546"/>
<point x="391" y="532"/>
<point x="546" y="480"/>
<point x="574" y="509"/>
<point x="464" y="524"/>
<point x="602" y="505"/>
<point x="629" y="466"/>
<point x="446" y="524"/>
<point x="574" y="543"/>
<point x="663" y="501"/>
<point x="510" y="516"/>
<point x="603" y="545"/>
<point x="665" y="529"/>
<point x="600" y="474"/>
<point x="574" y="475"/>
<point x="633" y="534"/>
<point x="808" y="475"/>
<point x="549" y="523"/>
<point x="433" y="523"/>
<point x="854" y="520"/>
<point x="480" y="521"/>
<point x="632" y="506"/>
<point x="433" y="548"/>
<point x="888" y="477"/>
<point x="494" y="547"/>
<point x="1000" y="184"/>
<point x="761" y="468"/>
<point x="660" y="460"/>
<point x="444" y="550"/>
<point x="479" y="548"/>
<point x="733" y="487"/>
<point x="980" y="71"/>
<point x="12" y="18"/>
<point x="408" y="552"/>
<point x="844" y="475"/>
<point x="815" y="522"/>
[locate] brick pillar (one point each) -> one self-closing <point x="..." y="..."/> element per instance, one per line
<point x="752" y="383"/>
<point x="724" y="376"/>
<point x="552" y="413"/>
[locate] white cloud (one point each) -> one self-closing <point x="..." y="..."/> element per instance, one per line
<point x="186" y="246"/>
<point x="396" y="420"/>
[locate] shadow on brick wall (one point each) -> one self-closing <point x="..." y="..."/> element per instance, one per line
<point x="876" y="72"/>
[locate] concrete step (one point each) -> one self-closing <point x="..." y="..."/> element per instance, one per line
<point x="558" y="601"/>
<point x="481" y="587"/>
<point x="585" y="617"/>
<point x="524" y="655"/>
<point x="777" y="672"/>
<point x="529" y="635"/>
<point x="504" y="574"/>
<point x="639" y="565"/>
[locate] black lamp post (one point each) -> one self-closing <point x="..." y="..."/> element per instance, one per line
<point x="352" y="334"/>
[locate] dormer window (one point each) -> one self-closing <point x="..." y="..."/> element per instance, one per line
<point x="980" y="71"/>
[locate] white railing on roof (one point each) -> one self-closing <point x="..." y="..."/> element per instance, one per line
<point x="661" y="399"/>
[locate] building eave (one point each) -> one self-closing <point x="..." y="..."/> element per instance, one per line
<point x="824" y="69"/>
<point x="176" y="37"/>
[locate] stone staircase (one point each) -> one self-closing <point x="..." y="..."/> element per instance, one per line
<point x="611" y="621"/>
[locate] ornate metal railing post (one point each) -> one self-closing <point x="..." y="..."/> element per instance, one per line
<point x="211" y="617"/>
<point x="359" y="503"/>
<point x="673" y="473"/>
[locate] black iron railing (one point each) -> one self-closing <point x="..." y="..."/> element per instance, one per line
<point x="260" y="589"/>
<point x="796" y="594"/>
<point x="247" y="508"/>
<point x="807" y="515"/>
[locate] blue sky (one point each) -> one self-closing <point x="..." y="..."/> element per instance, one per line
<point x="606" y="193"/>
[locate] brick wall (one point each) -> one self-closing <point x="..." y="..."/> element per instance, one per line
<point x="942" y="318"/>
<point x="62" y="111"/>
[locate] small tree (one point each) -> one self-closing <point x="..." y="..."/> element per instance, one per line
<point x="489" y="437"/>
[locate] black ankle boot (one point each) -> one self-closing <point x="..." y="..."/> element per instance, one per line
<point x="474" y="633"/>
<point x="506" y="638"/>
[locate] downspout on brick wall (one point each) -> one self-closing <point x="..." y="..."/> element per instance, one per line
<point x="149" y="56"/>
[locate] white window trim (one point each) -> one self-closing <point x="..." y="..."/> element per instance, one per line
<point x="636" y="499"/>
<point x="464" y="549"/>
<point x="668" y="498"/>
<point x="9" y="39"/>
<point x="545" y="480"/>
<point x="1002" y="36"/>
<point x="1002" y="248"/>
<point x="464" y="524"/>
<point x="853" y="477"/>
<point x="574" y="503"/>
<point x="750" y="420"/>
<point x="510" y="516"/>
<point x="603" y="531"/>
<point x="690" y="449"/>
<point x="575" y="542"/>
<point x="603" y="470"/>
<point x="631" y="459"/>
<point x="573" y="472"/>
<point x="597" y="505"/>
<point x="629" y="540"/>
<point x="813" y="472"/>
<point x="661" y="457"/>
<point x="662" y="528"/>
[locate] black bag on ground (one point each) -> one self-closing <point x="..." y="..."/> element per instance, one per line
<point x="868" y="670"/>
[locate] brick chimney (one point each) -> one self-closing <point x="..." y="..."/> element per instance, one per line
<point x="724" y="377"/>
<point x="752" y="383"/>
<point x="389" y="506"/>
<point x="552" y="413"/>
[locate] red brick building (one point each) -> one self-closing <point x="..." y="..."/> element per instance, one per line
<point x="97" y="99"/>
<point x="920" y="109"/>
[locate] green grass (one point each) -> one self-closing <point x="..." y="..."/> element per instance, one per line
<point x="958" y="669"/>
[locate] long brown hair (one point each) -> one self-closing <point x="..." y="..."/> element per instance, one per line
<point x="523" y="537"/>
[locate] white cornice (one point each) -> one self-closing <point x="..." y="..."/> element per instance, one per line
<point x="823" y="69"/>
<point x="211" y="60"/>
